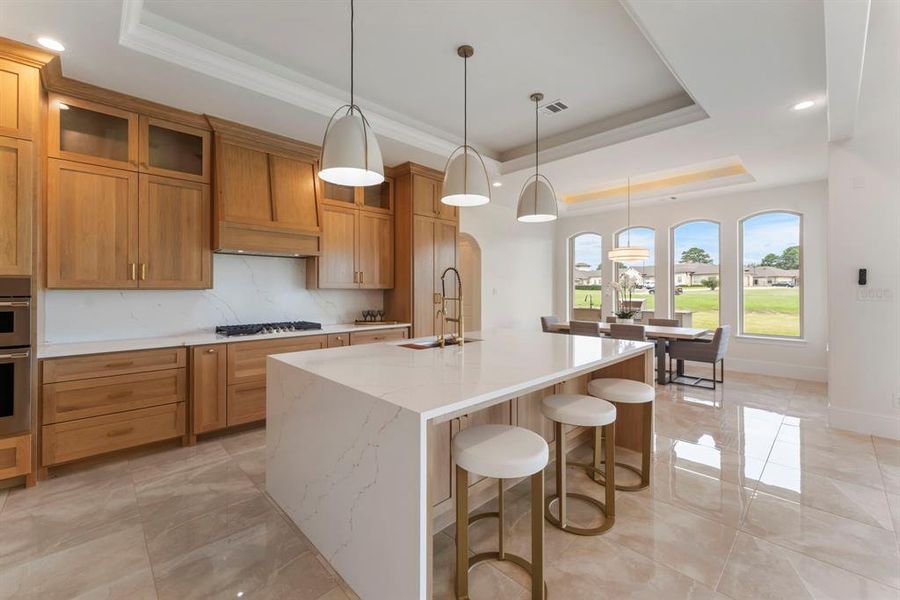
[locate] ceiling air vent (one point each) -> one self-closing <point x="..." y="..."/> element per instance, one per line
<point x="551" y="108"/>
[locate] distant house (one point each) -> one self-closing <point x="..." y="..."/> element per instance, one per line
<point x="586" y="276"/>
<point x="768" y="276"/>
<point x="685" y="273"/>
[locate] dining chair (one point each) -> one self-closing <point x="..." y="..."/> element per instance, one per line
<point x="590" y="328"/>
<point x="611" y="319"/>
<point x="547" y="321"/>
<point x="712" y="351"/>
<point x="664" y="322"/>
<point x="621" y="331"/>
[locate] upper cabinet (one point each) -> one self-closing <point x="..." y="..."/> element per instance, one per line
<point x="16" y="192"/>
<point x="19" y="92"/>
<point x="266" y="193"/>
<point x="375" y="198"/>
<point x="174" y="150"/>
<point x="426" y="199"/>
<point x="92" y="133"/>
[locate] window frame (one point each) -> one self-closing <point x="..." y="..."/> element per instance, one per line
<point x="570" y="299"/>
<point x="673" y="261"/>
<point x="615" y="265"/>
<point x="801" y="275"/>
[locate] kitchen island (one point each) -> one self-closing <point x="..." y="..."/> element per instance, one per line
<point x="349" y="436"/>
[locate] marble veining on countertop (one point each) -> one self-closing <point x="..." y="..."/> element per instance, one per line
<point x="55" y="350"/>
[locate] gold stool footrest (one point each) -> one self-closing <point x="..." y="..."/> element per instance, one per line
<point x="608" y="520"/>
<point x="601" y="476"/>
<point x="507" y="557"/>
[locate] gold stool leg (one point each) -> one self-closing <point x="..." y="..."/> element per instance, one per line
<point x="646" y="455"/>
<point x="538" y="589"/>
<point x="462" y="533"/>
<point x="501" y="543"/>
<point x="561" y="472"/>
<point x="647" y="444"/>
<point x="598" y="452"/>
<point x="609" y="432"/>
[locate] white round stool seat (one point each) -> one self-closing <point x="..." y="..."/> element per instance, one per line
<point x="500" y="451"/>
<point x="578" y="409"/>
<point x="626" y="391"/>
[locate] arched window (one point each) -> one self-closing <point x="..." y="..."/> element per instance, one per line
<point x="772" y="268"/>
<point x="585" y="279"/>
<point x="695" y="272"/>
<point x="644" y="237"/>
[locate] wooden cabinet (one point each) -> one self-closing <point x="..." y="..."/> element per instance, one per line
<point x="247" y="360"/>
<point x="246" y="402"/>
<point x="375" y="337"/>
<point x="174" y="246"/>
<point x="208" y="388"/>
<point x="100" y="403"/>
<point x="425" y="245"/>
<point x="15" y="456"/>
<point x="92" y="133"/>
<point x="92" y="220"/>
<point x="376" y="198"/>
<point x="16" y="194"/>
<point x="530" y="415"/>
<point x="375" y="251"/>
<point x="337" y="266"/>
<point x="338" y="340"/>
<point x="19" y="100"/>
<point x="174" y="150"/>
<point x="440" y="461"/>
<point x="266" y="193"/>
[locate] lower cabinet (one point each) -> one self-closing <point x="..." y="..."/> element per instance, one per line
<point x="208" y="388"/>
<point x="246" y="402"/>
<point x="15" y="456"/>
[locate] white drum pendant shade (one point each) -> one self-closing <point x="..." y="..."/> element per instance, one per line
<point x="350" y="153"/>
<point x="537" y="202"/>
<point x="627" y="254"/>
<point x="466" y="180"/>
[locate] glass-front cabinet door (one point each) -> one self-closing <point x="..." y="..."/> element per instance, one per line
<point x="93" y="133"/>
<point x="339" y="194"/>
<point x="379" y="197"/>
<point x="174" y="150"/>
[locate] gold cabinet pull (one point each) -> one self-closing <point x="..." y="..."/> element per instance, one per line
<point x="143" y="271"/>
<point x="118" y="432"/>
<point x="133" y="271"/>
<point x="211" y="351"/>
<point x="362" y="278"/>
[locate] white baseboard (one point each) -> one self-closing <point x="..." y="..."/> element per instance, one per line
<point x="872" y="424"/>
<point x="776" y="369"/>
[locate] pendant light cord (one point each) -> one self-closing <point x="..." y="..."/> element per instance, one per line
<point x="351" y="57"/>
<point x="466" y="103"/>
<point x="628" y="212"/>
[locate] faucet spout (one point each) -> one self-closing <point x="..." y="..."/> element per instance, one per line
<point x="460" y="327"/>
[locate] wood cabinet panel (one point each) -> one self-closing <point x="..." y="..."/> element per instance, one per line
<point x="174" y="150"/>
<point x="440" y="462"/>
<point x="113" y="363"/>
<point x="424" y="306"/>
<point x="337" y="264"/>
<point x="70" y="400"/>
<point x="294" y="193"/>
<point x="530" y="415"/>
<point x="247" y="360"/>
<point x="174" y="247"/>
<point x="208" y="388"/>
<point x="375" y="251"/>
<point x="92" y="220"/>
<point x="246" y="403"/>
<point x="374" y="337"/>
<point x="242" y="180"/>
<point x="16" y="194"/>
<point x="445" y="257"/>
<point x="64" y="442"/>
<point x="92" y="133"/>
<point x="425" y="195"/>
<point x="19" y="91"/>
<point x="15" y="456"/>
<point x="337" y="340"/>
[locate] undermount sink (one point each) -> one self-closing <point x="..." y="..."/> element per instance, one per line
<point x="435" y="344"/>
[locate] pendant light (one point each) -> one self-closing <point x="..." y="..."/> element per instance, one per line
<point x="466" y="182"/>
<point x="350" y="153"/>
<point x="629" y="253"/>
<point x="537" y="200"/>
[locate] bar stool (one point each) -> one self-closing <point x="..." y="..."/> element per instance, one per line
<point x="499" y="452"/>
<point x="582" y="411"/>
<point x="627" y="391"/>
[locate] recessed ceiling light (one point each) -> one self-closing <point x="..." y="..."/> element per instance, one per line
<point x="497" y="184"/>
<point x="804" y="105"/>
<point x="50" y="44"/>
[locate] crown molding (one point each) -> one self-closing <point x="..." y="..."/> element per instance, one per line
<point x="171" y="42"/>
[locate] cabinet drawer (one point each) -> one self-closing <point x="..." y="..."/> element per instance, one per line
<point x="70" y="400"/>
<point x="63" y="442"/>
<point x="336" y="340"/>
<point x="15" y="456"/>
<point x="246" y="403"/>
<point x="247" y="360"/>
<point x="382" y="335"/>
<point x="115" y="363"/>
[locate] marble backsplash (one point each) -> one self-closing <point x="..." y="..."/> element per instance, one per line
<point x="246" y="289"/>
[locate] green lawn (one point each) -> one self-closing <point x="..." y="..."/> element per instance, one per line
<point x="769" y="310"/>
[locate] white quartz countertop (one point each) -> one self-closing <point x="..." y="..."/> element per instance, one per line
<point x="56" y="350"/>
<point x="437" y="382"/>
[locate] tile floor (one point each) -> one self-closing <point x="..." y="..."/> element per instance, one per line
<point x="753" y="496"/>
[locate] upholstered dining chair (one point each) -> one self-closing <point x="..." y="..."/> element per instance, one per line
<point x="712" y="351"/>
<point x="612" y="319"/>
<point x="623" y="331"/>
<point x="590" y="328"/>
<point x="546" y="322"/>
<point x="664" y="322"/>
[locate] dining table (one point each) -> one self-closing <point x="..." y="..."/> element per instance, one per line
<point x="658" y="333"/>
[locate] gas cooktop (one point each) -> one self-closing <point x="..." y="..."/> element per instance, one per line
<point x="258" y="328"/>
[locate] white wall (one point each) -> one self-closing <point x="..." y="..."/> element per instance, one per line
<point x="246" y="289"/>
<point x="516" y="266"/>
<point x="803" y="359"/>
<point x="864" y="232"/>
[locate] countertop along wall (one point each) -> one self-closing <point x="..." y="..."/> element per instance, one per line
<point x="246" y="289"/>
<point x="804" y="359"/>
